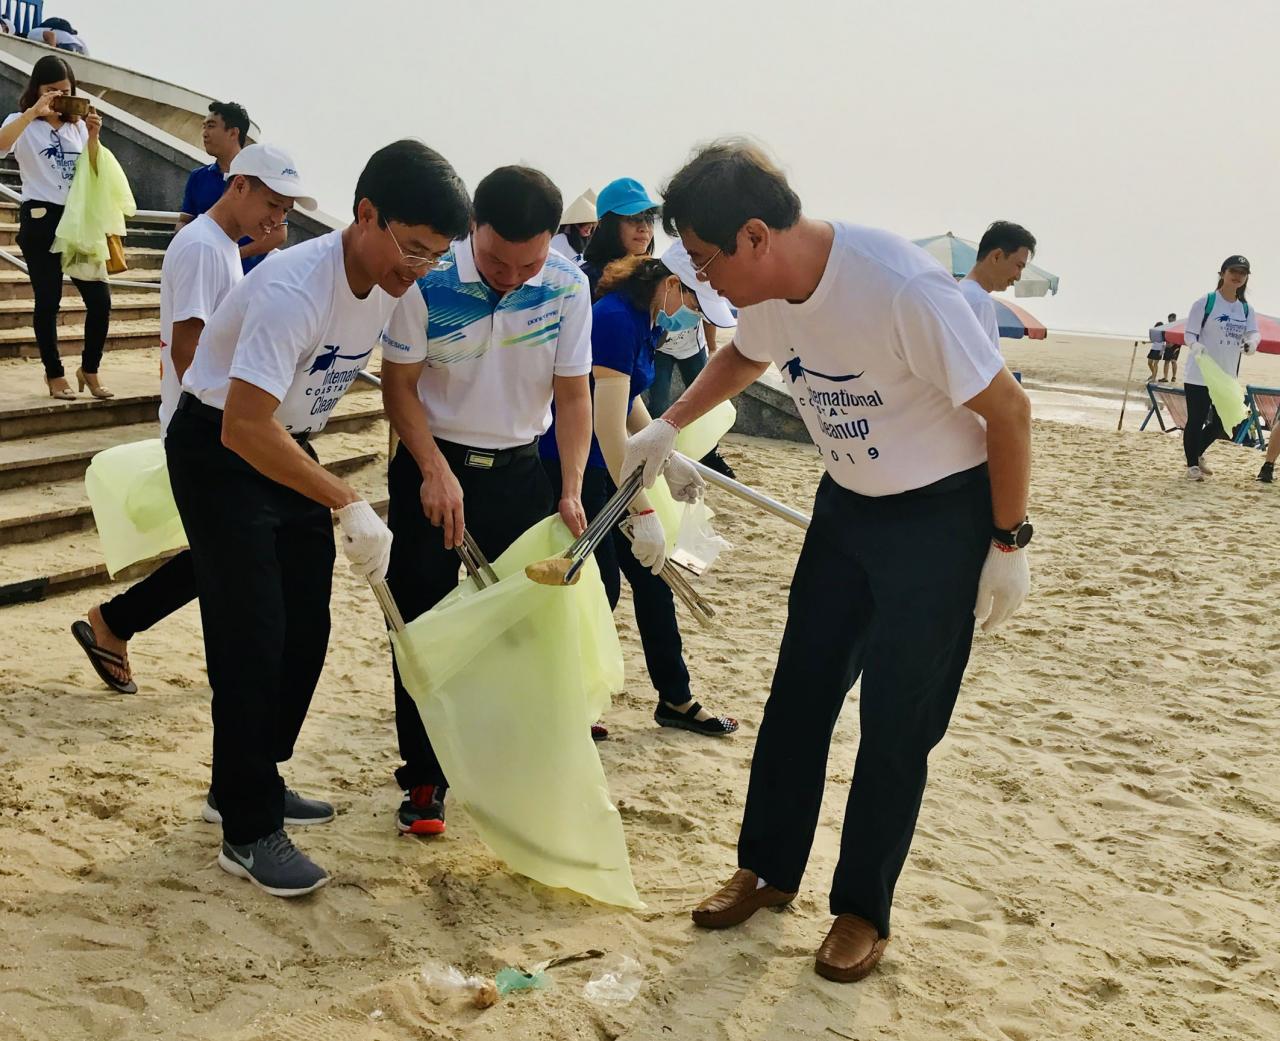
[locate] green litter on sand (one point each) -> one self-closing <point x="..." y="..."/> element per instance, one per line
<point x="510" y="979"/>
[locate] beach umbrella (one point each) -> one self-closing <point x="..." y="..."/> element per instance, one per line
<point x="959" y="255"/>
<point x="1015" y="323"/>
<point x="1269" y="328"/>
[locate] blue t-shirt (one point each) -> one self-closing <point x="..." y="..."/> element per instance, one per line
<point x="621" y="339"/>
<point x="205" y="186"/>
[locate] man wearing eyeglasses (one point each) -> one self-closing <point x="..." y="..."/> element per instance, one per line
<point x="275" y="357"/>
<point x="918" y="526"/>
<point x="507" y="333"/>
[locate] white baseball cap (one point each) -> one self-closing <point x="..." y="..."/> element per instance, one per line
<point x="715" y="308"/>
<point x="275" y="168"/>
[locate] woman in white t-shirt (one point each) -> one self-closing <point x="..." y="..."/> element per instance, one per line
<point x="47" y="146"/>
<point x="1220" y="325"/>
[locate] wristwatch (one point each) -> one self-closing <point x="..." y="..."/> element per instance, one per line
<point x="1015" y="538"/>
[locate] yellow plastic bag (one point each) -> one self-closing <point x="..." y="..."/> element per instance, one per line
<point x="1226" y="394"/>
<point x="694" y="441"/>
<point x="133" y="507"/>
<point x="97" y="205"/>
<point x="507" y="680"/>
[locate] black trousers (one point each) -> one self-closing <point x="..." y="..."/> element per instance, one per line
<point x="654" y="603"/>
<point x="499" y="505"/>
<point x="1203" y="425"/>
<point x="169" y="587"/>
<point x="884" y="590"/>
<point x="35" y="236"/>
<point x="263" y="560"/>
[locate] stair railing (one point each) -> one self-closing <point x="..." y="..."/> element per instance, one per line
<point x="23" y="15"/>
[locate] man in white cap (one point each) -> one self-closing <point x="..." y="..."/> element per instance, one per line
<point x="577" y="224"/>
<point x="274" y="360"/>
<point x="201" y="266"/>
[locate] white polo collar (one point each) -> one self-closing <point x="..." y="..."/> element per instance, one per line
<point x="465" y="261"/>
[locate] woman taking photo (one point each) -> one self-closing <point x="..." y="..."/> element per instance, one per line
<point x="1220" y="325"/>
<point x="46" y="146"/>
<point x="640" y="298"/>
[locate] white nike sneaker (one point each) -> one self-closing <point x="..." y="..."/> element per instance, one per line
<point x="1194" y="473"/>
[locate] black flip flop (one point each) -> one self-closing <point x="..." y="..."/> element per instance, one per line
<point x="100" y="657"/>
<point x="716" y="726"/>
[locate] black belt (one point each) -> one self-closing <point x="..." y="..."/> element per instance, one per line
<point x="485" y="458"/>
<point x="192" y="405"/>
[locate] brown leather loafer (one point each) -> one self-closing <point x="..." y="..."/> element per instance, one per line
<point x="737" y="901"/>
<point x="851" y="950"/>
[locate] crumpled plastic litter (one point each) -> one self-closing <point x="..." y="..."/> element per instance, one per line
<point x="444" y="982"/>
<point x="511" y="978"/>
<point x="697" y="542"/>
<point x="694" y="441"/>
<point x="616" y="982"/>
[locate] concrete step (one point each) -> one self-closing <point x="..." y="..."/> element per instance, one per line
<point x="126" y="306"/>
<point x="73" y="560"/>
<point x="143" y="258"/>
<point x="20" y="343"/>
<point x="14" y="284"/>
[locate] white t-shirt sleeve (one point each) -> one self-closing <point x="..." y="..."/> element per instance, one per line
<point x="280" y="327"/>
<point x="7" y="120"/>
<point x="1251" y="334"/>
<point x="984" y="308"/>
<point x="940" y="339"/>
<point x="404" y="340"/>
<point x="751" y="337"/>
<point x="1195" y="321"/>
<point x="200" y="281"/>
<point x="573" y="343"/>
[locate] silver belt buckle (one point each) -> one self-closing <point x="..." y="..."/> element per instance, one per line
<point x="480" y="460"/>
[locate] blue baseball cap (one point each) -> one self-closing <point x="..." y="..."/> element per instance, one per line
<point x="625" y="196"/>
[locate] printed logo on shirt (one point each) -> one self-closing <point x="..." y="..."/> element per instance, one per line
<point x="59" y="157"/>
<point x="336" y="381"/>
<point x="831" y="409"/>
<point x="795" y="368"/>
<point x="325" y="359"/>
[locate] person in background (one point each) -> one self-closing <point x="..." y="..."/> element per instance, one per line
<point x="225" y="132"/>
<point x="1170" y="355"/>
<point x="1156" y="353"/>
<point x="47" y="147"/>
<point x="58" y="32"/>
<point x="1222" y="326"/>
<point x="577" y="225"/>
<point x="625" y="215"/>
<point x="1003" y="254"/>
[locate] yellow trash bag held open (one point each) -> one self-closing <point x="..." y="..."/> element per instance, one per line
<point x="1226" y="394"/>
<point x="97" y="205"/>
<point x="694" y="441"/>
<point x="508" y="680"/>
<point x="133" y="507"/>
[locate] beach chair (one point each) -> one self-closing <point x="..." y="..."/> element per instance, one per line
<point x="1166" y="400"/>
<point x="1264" y="403"/>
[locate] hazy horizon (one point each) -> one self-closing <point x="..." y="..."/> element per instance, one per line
<point x="1125" y="137"/>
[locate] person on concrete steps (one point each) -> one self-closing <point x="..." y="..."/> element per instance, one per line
<point x="46" y="146"/>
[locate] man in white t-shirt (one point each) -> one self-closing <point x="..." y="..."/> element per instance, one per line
<point x="274" y="359"/>
<point x="201" y="266"/>
<point x="918" y="526"/>
<point x="1003" y="254"/>
<point x="500" y="331"/>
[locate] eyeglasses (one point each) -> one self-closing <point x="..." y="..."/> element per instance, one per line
<point x="409" y="259"/>
<point x="700" y="273"/>
<point x="646" y="219"/>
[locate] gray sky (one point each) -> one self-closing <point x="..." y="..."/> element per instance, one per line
<point x="1133" y="137"/>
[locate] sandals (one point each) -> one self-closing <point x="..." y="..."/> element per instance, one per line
<point x="716" y="726"/>
<point x="100" y="658"/>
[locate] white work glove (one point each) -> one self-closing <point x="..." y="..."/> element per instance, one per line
<point x="1195" y="349"/>
<point x="365" y="540"/>
<point x="649" y="448"/>
<point x="683" y="479"/>
<point x="1005" y="582"/>
<point x="1251" y="343"/>
<point x="649" y="541"/>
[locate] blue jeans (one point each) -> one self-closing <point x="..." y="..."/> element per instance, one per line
<point x="660" y="388"/>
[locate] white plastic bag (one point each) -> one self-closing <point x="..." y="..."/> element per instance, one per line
<point x="616" y="982"/>
<point x="697" y="543"/>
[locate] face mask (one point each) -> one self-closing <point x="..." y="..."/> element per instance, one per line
<point x="685" y="318"/>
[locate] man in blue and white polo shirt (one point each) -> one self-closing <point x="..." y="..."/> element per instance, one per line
<point x="508" y="334"/>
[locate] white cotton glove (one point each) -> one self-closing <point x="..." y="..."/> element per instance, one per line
<point x="365" y="540"/>
<point x="1004" y="584"/>
<point x="1195" y="349"/>
<point x="1251" y="342"/>
<point x="649" y="448"/>
<point x="649" y="541"/>
<point x="683" y="479"/>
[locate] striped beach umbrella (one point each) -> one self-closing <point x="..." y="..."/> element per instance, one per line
<point x="1015" y="323"/>
<point x="959" y="255"/>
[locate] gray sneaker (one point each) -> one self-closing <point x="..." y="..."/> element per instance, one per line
<point x="273" y="864"/>
<point x="298" y="812"/>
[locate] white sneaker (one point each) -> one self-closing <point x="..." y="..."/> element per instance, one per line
<point x="1204" y="469"/>
<point x="1194" y="473"/>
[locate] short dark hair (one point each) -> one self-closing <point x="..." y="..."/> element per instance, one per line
<point x="49" y="69"/>
<point x="1172" y="316"/>
<point x="1007" y="236"/>
<point x="233" y="116"/>
<point x="724" y="185"/>
<point x="519" y="203"/>
<point x="413" y="184"/>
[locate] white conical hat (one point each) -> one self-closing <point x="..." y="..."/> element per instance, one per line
<point x="582" y="210"/>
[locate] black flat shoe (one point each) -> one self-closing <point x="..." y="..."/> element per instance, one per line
<point x="717" y="726"/>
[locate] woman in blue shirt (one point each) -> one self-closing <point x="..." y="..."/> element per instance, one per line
<point x="639" y="299"/>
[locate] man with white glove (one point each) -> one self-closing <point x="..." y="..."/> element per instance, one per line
<point x="275" y="357"/>
<point x="648" y="540"/>
<point x="918" y="526"/>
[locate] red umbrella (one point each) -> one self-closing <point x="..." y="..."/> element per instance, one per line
<point x="1269" y="328"/>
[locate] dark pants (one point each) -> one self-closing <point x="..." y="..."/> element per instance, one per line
<point x="169" y="587"/>
<point x="263" y="559"/>
<point x="500" y="505"/>
<point x="1203" y="425"/>
<point x="35" y="236"/>
<point x="663" y="365"/>
<point x="884" y="590"/>
<point x="652" y="598"/>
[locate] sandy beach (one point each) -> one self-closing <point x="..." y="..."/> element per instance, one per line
<point x="1098" y="855"/>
